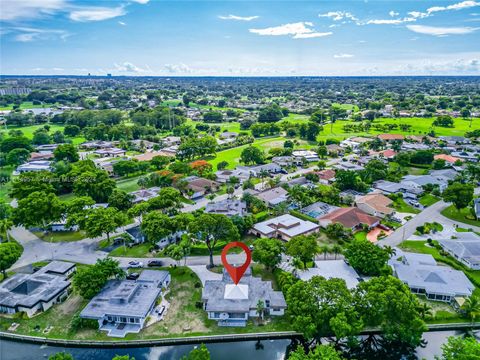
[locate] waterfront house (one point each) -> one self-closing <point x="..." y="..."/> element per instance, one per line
<point x="465" y="247"/>
<point x="123" y="306"/>
<point x="37" y="292"/>
<point x="232" y="305"/>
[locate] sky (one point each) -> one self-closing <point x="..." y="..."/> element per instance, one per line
<point x="239" y="38"/>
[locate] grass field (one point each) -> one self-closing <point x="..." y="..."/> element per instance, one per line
<point x="401" y="206"/>
<point x="232" y="156"/>
<point x="129" y="184"/>
<point x="464" y="215"/>
<point x="428" y="199"/>
<point x="141" y="250"/>
<point x="29" y="130"/>
<point x="27" y="105"/>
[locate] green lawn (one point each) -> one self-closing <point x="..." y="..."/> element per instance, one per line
<point x="141" y="250"/>
<point x="28" y="105"/>
<point x="360" y="235"/>
<point x="129" y="184"/>
<point x="428" y="199"/>
<point x="29" y="130"/>
<point x="60" y="236"/>
<point x="401" y="206"/>
<point x="464" y="215"/>
<point x="232" y="156"/>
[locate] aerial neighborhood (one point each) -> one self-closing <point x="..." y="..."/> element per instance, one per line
<point x="117" y="199"/>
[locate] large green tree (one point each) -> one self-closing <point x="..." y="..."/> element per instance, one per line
<point x="303" y="248"/>
<point x="10" y="252"/>
<point x="252" y="155"/>
<point x="461" y="195"/>
<point x="88" y="281"/>
<point x="320" y="352"/>
<point x="102" y="221"/>
<point x="268" y="252"/>
<point x="157" y="226"/>
<point x="38" y="209"/>
<point x="367" y="258"/>
<point x="212" y="228"/>
<point x="460" y="348"/>
<point x="66" y="152"/>
<point x="320" y="307"/>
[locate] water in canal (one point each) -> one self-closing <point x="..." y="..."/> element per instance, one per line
<point x="269" y="350"/>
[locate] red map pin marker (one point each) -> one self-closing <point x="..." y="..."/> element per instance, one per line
<point x="236" y="273"/>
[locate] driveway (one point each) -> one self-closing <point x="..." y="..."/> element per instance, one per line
<point x="430" y="214"/>
<point x="204" y="274"/>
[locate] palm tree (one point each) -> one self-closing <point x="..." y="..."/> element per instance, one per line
<point x="263" y="174"/>
<point x="325" y="249"/>
<point x="260" y="309"/>
<point x="337" y="249"/>
<point x="389" y="250"/>
<point x="472" y="307"/>
<point x="5" y="226"/>
<point x="424" y="310"/>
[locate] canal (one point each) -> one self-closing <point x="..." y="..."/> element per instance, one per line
<point x="250" y="350"/>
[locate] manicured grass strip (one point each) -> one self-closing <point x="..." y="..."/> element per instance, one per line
<point x="428" y="199"/>
<point x="464" y="215"/>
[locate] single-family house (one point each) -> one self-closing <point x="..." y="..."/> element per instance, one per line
<point x="144" y="194"/>
<point x="448" y="158"/>
<point x="375" y="204"/>
<point x="284" y="227"/>
<point x="422" y="275"/>
<point x="318" y="209"/>
<point x="308" y="155"/>
<point x="326" y="176"/>
<point x="335" y="150"/>
<point x="37" y="165"/>
<point x="407" y="190"/>
<point x="228" y="207"/>
<point x="455" y="140"/>
<point x="37" y="292"/>
<point x="198" y="187"/>
<point x="110" y="152"/>
<point x="391" y="137"/>
<point x="350" y="217"/>
<point x="223" y="176"/>
<point x="465" y="248"/>
<point x="256" y="170"/>
<point x="273" y="196"/>
<point x="233" y="304"/>
<point x="228" y="135"/>
<point x="330" y="269"/>
<point x="123" y="306"/>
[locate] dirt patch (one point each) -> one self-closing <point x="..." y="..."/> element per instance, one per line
<point x="70" y="306"/>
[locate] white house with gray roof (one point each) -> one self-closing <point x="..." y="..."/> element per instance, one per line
<point x="422" y="275"/>
<point x="284" y="227"/>
<point x="465" y="248"/>
<point x="123" y="306"/>
<point x="233" y="305"/>
<point x="37" y="292"/>
<point x="228" y="207"/>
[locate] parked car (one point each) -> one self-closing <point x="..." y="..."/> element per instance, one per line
<point x="155" y="263"/>
<point x="135" y="264"/>
<point x="414" y="203"/>
<point x="133" y="276"/>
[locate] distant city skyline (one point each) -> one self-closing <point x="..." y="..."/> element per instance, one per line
<point x="239" y="38"/>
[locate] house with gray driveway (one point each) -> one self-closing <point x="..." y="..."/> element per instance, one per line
<point x="123" y="306"/>
<point x="37" y="292"/>
<point x="228" y="207"/>
<point x="233" y="305"/>
<point x="284" y="227"/>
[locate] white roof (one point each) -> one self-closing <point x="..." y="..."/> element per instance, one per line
<point x="286" y="224"/>
<point x="236" y="292"/>
<point x="332" y="269"/>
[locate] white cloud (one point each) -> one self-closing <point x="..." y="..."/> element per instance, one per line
<point x="141" y="1"/>
<point x="122" y="23"/>
<point x="342" y="56"/>
<point x="299" y="30"/>
<point x="128" y="67"/>
<point x="457" y="6"/>
<point x="390" y="21"/>
<point x="96" y="13"/>
<point x="27" y="34"/>
<point x="312" y="35"/>
<point x="393" y="13"/>
<point x="238" y="18"/>
<point x="440" y="31"/>
<point x="29" y="9"/>
<point x="417" y="14"/>
<point x="178" y="68"/>
<point x="339" y="15"/>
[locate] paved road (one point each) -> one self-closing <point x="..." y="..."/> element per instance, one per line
<point x="430" y="214"/>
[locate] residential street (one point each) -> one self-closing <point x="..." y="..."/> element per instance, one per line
<point x="430" y="214"/>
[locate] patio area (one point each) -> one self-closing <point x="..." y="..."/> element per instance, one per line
<point x="120" y="330"/>
<point x="374" y="234"/>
